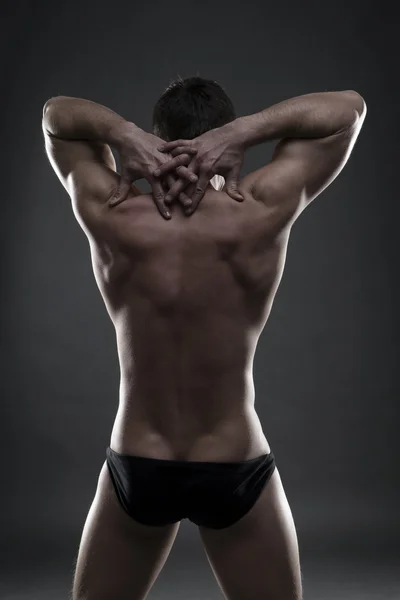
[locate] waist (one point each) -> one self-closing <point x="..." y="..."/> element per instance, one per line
<point x="234" y="438"/>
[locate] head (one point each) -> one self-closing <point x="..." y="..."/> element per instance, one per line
<point x="190" y="107"/>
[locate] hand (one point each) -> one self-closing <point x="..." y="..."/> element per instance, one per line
<point x="218" y="153"/>
<point x="139" y="157"/>
<point x="168" y="182"/>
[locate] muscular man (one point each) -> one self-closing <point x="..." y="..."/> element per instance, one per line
<point x="189" y="295"/>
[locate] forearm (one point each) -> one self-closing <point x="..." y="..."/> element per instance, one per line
<point x="80" y="119"/>
<point x="309" y="116"/>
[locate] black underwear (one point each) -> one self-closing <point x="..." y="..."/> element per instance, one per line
<point x="210" y="494"/>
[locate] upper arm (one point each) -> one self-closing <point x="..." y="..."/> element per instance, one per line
<point x="85" y="168"/>
<point x="302" y="168"/>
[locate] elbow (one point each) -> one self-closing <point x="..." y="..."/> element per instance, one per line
<point x="48" y="116"/>
<point x="357" y="102"/>
<point x="47" y="105"/>
<point x="51" y="102"/>
<point x="45" y="108"/>
<point x="353" y="110"/>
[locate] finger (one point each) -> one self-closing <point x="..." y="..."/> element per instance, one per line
<point x="121" y="192"/>
<point x="231" y="184"/>
<point x="168" y="146"/>
<point x="175" y="190"/>
<point x="199" y="191"/>
<point x="172" y="180"/>
<point x="158" y="196"/>
<point x="183" y="150"/>
<point x="185" y="200"/>
<point x="186" y="173"/>
<point x="178" y="187"/>
<point x="182" y="159"/>
<point x="182" y="196"/>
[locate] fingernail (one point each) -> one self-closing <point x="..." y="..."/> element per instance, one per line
<point x="161" y="148"/>
<point x="157" y="173"/>
<point x="193" y="178"/>
<point x="168" y="214"/>
<point x="168" y="198"/>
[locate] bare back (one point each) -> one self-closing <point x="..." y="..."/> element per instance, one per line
<point x="189" y="298"/>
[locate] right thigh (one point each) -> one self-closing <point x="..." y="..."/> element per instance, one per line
<point x="118" y="557"/>
<point x="258" y="557"/>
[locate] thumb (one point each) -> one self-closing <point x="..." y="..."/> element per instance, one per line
<point x="231" y="185"/>
<point x="121" y="192"/>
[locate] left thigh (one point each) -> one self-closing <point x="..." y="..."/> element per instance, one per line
<point x="258" y="557"/>
<point x="118" y="557"/>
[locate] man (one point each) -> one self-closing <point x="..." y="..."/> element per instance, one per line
<point x="189" y="295"/>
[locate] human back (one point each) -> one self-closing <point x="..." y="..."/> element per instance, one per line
<point x="189" y="302"/>
<point x="192" y="294"/>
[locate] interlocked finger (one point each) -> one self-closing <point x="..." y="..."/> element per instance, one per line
<point x="186" y="173"/>
<point x="159" y="198"/>
<point x="183" y="198"/>
<point x="171" y="165"/>
<point x="183" y="150"/>
<point x="168" y="146"/>
<point x="199" y="191"/>
<point x="176" y="190"/>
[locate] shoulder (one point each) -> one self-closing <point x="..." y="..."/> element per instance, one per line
<point x="100" y="221"/>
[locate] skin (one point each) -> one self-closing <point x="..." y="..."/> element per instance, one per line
<point x="189" y="298"/>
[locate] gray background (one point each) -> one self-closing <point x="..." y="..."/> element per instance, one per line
<point x="326" y="369"/>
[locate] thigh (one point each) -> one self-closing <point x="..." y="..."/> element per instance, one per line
<point x="258" y="557"/>
<point x="118" y="557"/>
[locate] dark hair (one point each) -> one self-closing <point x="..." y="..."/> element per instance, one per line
<point x="190" y="107"/>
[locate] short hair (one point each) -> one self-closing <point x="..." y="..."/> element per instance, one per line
<point x="190" y="107"/>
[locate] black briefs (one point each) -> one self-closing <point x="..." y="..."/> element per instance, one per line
<point x="210" y="494"/>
